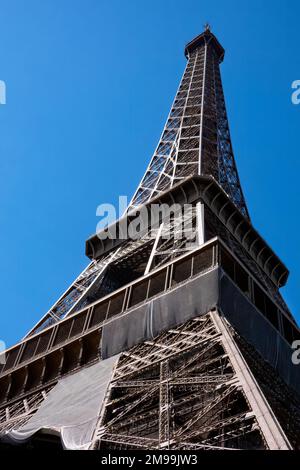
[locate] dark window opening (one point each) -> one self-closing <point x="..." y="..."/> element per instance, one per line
<point x="99" y="314"/>
<point x="259" y="298"/>
<point x="44" y="342"/>
<point x="116" y="304"/>
<point x="227" y="263"/>
<point x="157" y="283"/>
<point x="266" y="306"/>
<point x="63" y="332"/>
<point x="11" y="358"/>
<point x="271" y="312"/>
<point x="78" y="324"/>
<point x="138" y="293"/>
<point x="29" y="349"/>
<point x="242" y="279"/>
<point x="203" y="261"/>
<point x="182" y="270"/>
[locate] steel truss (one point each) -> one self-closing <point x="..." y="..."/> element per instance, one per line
<point x="282" y="399"/>
<point x="196" y="137"/>
<point x="79" y="293"/>
<point x="16" y="414"/>
<point x="195" y="140"/>
<point x="154" y="248"/>
<point x="188" y="389"/>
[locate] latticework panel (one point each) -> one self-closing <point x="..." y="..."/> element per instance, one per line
<point x="92" y="283"/>
<point x="179" y="391"/>
<point x="15" y="415"/>
<point x="196" y="137"/>
<point x="284" y="402"/>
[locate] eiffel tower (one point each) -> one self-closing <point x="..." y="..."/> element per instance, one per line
<point x="170" y="338"/>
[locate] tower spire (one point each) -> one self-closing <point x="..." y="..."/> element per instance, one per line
<point x="196" y="138"/>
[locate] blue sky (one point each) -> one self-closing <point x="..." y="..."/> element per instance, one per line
<point x="89" y="85"/>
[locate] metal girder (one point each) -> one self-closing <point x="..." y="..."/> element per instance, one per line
<point x="17" y="414"/>
<point x="196" y="132"/>
<point x="164" y="418"/>
<point x="196" y="395"/>
<point x="272" y="431"/>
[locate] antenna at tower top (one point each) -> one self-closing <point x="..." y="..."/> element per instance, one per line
<point x="207" y="27"/>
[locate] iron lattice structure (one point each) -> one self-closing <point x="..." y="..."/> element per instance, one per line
<point x="202" y="376"/>
<point x="195" y="141"/>
<point x="188" y="389"/>
<point x="196" y="137"/>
